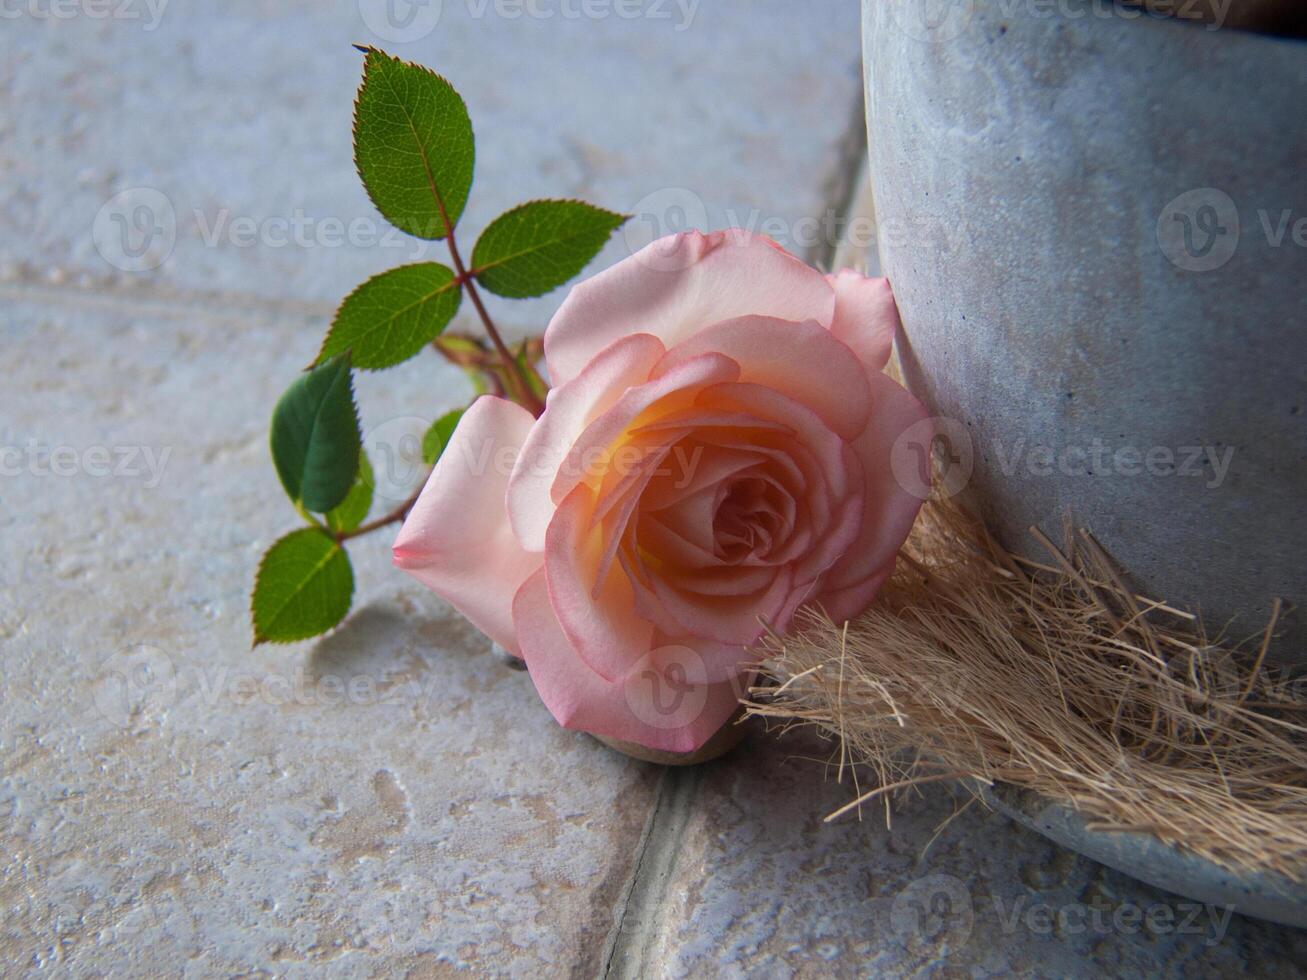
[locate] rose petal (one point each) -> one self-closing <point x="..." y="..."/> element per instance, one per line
<point x="846" y="604"/>
<point x="457" y="540"/>
<point x="602" y="626"/>
<point x="679" y="285"/>
<point x="866" y="317"/>
<point x="889" y="508"/>
<point x="571" y="407"/>
<point x="663" y="701"/>
<point x="670" y="546"/>
<point x="722" y="661"/>
<point x="802" y="360"/>
<point x="811" y="432"/>
<point x="675" y="390"/>
<point x="731" y="619"/>
<point x="687" y="473"/>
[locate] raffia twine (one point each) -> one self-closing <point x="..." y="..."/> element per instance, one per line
<point x="1053" y="676"/>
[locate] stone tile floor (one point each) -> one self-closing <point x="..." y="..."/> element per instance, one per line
<point x="391" y="800"/>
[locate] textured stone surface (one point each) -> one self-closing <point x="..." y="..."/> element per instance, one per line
<point x="763" y="887"/>
<point x="391" y="797"/>
<point x="238" y="115"/>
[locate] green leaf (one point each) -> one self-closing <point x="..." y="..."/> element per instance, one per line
<point x="412" y="145"/>
<point x="315" y="436"/>
<point x="393" y="316"/>
<point x="438" y="436"/>
<point x="303" y="588"/>
<point x="351" y="511"/>
<point x="538" y="246"/>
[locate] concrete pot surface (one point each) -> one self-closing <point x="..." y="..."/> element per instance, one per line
<point x="1096" y="227"/>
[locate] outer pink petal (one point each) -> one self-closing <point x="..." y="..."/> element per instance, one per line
<point x="569" y="408"/>
<point x="802" y="360"/>
<point x="866" y="317"/>
<point x="598" y="618"/>
<point x="889" y="507"/>
<point x="663" y="702"/>
<point x="849" y="603"/>
<point x="457" y="540"/>
<point x="679" y="285"/>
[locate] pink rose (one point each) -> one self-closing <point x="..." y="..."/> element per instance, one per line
<point x="715" y="452"/>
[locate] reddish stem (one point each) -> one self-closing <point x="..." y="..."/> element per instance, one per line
<point x="524" y="396"/>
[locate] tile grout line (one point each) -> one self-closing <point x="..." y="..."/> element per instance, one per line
<point x="188" y="305"/>
<point x="843" y="185"/>
<point x="164" y="303"/>
<point x="639" y="916"/>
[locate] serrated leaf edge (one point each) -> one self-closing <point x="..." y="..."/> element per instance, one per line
<point x="336" y="547"/>
<point x="348" y="351"/>
<point x="369" y="50"/>
<point x="476" y="270"/>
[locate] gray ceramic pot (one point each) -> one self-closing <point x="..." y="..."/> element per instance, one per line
<point x="1096" y="227"/>
<point x="1262" y="896"/>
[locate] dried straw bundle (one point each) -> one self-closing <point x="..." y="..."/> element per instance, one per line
<point x="1055" y="677"/>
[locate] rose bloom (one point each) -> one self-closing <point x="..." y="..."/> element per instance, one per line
<point x="715" y="452"/>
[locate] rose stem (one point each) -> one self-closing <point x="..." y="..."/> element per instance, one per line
<point x="526" y="397"/>
<point x="394" y="517"/>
